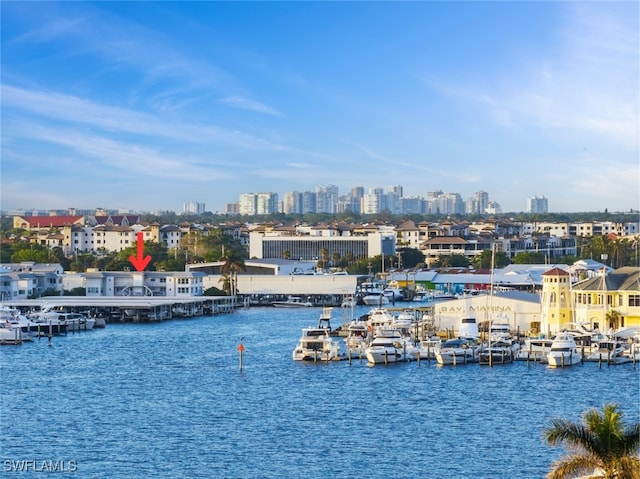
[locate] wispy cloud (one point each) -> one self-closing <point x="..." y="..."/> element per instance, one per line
<point x="71" y="109"/>
<point x="251" y="105"/>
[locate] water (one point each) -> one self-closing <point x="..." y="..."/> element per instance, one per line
<point x="168" y="400"/>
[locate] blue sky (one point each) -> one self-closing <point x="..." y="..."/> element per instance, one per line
<point x="145" y="106"/>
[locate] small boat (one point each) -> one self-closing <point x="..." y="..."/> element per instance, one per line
<point x="458" y="351"/>
<point x="564" y="351"/>
<point x="389" y="345"/>
<point x="292" y="302"/>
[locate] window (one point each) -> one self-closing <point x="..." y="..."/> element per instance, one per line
<point x="634" y="300"/>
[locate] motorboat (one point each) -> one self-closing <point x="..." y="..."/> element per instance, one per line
<point x="468" y="328"/>
<point x="535" y="349"/>
<point x="609" y="350"/>
<point x="458" y="351"/>
<point x="375" y="299"/>
<point x="10" y="333"/>
<point x="564" y="351"/>
<point x="499" y="352"/>
<point x="317" y="344"/>
<point x="393" y="293"/>
<point x="378" y="318"/>
<point x="389" y="345"/>
<point x="357" y="339"/>
<point x="292" y="302"/>
<point x="428" y="347"/>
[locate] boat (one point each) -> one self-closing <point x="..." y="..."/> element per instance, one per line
<point x="458" y="351"/>
<point x="564" y="351"/>
<point x="609" y="350"/>
<point x="389" y="345"/>
<point x="468" y="328"/>
<point x="317" y="343"/>
<point x="428" y="347"/>
<point x="375" y="299"/>
<point x="498" y="352"/>
<point x="292" y="302"/>
<point x="357" y="339"/>
<point x="10" y="333"/>
<point x="393" y="293"/>
<point x="535" y="349"/>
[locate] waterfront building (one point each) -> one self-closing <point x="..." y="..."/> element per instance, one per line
<point x="28" y="279"/>
<point x="326" y="242"/>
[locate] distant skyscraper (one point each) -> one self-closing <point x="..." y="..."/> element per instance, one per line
<point x="326" y="199"/>
<point x="537" y="204"/>
<point x="193" y="208"/>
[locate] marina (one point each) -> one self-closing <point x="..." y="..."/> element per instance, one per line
<point x="188" y="410"/>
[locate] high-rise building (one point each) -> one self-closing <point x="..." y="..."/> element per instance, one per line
<point x="326" y="199"/>
<point x="193" y="208"/>
<point x="537" y="204"/>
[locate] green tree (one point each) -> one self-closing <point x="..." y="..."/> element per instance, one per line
<point x="483" y="260"/>
<point x="529" y="257"/>
<point x="453" y="260"/>
<point x="411" y="257"/>
<point x="601" y="441"/>
<point x="233" y="264"/>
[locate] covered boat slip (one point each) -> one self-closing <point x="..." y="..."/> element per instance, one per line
<point x="124" y="308"/>
<point x="322" y="290"/>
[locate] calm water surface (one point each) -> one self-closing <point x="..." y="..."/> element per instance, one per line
<point x="168" y="400"/>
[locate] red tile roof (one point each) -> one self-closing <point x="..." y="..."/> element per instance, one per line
<point x="50" y="221"/>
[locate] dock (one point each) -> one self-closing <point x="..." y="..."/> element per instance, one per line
<point x="132" y="309"/>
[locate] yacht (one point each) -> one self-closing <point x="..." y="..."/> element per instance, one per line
<point x="564" y="351"/>
<point x="498" y="352"/>
<point x="375" y="299"/>
<point x="535" y="349"/>
<point x="458" y="351"/>
<point x="317" y="344"/>
<point x="357" y="339"/>
<point x="428" y="347"/>
<point x="389" y="345"/>
<point x="292" y="302"/>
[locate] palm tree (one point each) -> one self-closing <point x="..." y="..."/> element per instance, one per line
<point x="233" y="263"/>
<point x="602" y="446"/>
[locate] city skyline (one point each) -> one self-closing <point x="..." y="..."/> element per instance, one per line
<point x="148" y="106"/>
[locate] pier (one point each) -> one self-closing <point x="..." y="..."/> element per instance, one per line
<point x="132" y="309"/>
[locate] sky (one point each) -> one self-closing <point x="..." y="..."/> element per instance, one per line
<point x="144" y="106"/>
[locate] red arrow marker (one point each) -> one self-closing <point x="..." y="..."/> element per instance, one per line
<point x="141" y="262"/>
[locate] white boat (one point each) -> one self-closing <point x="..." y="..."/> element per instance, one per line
<point x="375" y="299"/>
<point x="564" y="351"/>
<point x="317" y="344"/>
<point x="609" y="350"/>
<point x="458" y="351"/>
<point x="428" y="347"/>
<point x="389" y="345"/>
<point x="292" y="302"/>
<point x="393" y="293"/>
<point x="468" y="328"/>
<point x="378" y="318"/>
<point x="498" y="352"/>
<point x="357" y="339"/>
<point x="535" y="349"/>
<point x="10" y="333"/>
